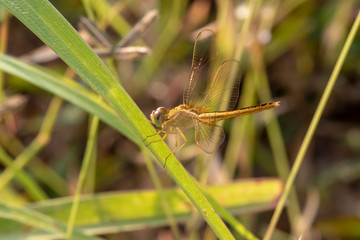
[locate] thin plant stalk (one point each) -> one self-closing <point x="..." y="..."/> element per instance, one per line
<point x="89" y="152"/>
<point x="309" y="134"/>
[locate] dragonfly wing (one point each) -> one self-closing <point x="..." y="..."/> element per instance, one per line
<point x="204" y="44"/>
<point x="208" y="137"/>
<point x="222" y="94"/>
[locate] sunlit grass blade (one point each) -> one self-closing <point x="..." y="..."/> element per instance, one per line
<point x="47" y="23"/>
<point x="105" y="212"/>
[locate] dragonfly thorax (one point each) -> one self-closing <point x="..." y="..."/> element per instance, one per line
<point x="158" y="116"/>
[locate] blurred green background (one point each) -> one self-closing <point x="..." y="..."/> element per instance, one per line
<point x="287" y="55"/>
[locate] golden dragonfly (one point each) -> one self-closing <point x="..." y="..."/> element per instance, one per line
<point x="204" y="106"/>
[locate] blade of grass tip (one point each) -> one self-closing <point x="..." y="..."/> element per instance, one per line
<point x="48" y="24"/>
<point x="89" y="151"/>
<point x="314" y="122"/>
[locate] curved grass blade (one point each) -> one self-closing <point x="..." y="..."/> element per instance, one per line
<point x="48" y="24"/>
<point x="66" y="89"/>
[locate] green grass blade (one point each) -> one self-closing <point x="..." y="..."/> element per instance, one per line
<point x="66" y="89"/>
<point x="107" y="212"/>
<point x="39" y="221"/>
<point x="48" y="24"/>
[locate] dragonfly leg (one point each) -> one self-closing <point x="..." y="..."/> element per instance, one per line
<point x="176" y="144"/>
<point x="177" y="148"/>
<point x="157" y="133"/>
<point x="182" y="145"/>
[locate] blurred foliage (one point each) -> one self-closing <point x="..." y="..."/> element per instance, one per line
<point x="300" y="41"/>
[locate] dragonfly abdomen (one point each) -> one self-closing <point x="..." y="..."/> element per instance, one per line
<point x="217" y="116"/>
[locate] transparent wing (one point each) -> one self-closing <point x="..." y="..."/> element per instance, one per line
<point x="208" y="137"/>
<point x="222" y="94"/>
<point x="204" y="44"/>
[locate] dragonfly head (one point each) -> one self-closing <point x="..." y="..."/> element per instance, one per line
<point x="158" y="116"/>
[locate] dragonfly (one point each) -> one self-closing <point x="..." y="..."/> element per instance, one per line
<point x="203" y="103"/>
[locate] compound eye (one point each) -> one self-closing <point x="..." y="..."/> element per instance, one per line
<point x="157" y="115"/>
